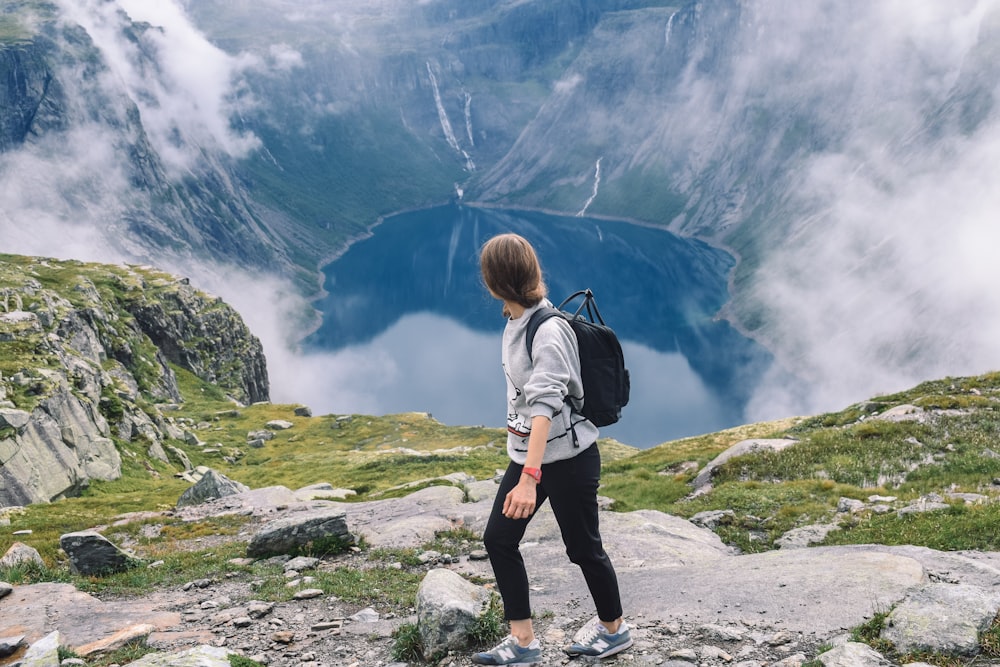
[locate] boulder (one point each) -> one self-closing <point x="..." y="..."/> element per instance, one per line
<point x="447" y="606"/>
<point x="212" y="486"/>
<point x="704" y="476"/>
<point x="92" y="554"/>
<point x="10" y="645"/>
<point x="44" y="652"/>
<point x="21" y="554"/>
<point x="306" y="531"/>
<point x="199" y="656"/>
<point x="941" y="618"/>
<point x="853" y="654"/>
<point x="15" y="419"/>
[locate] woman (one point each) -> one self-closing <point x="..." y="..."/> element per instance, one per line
<point x="553" y="455"/>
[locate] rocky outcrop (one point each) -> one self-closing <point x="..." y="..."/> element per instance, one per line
<point x="688" y="599"/>
<point x="88" y="353"/>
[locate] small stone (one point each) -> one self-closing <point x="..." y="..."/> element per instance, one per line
<point x="327" y="625"/>
<point x="283" y="637"/>
<point x="308" y="594"/>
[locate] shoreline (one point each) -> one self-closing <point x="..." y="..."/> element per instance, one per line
<point x="724" y="313"/>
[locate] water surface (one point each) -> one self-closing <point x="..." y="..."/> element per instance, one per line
<point x="414" y="329"/>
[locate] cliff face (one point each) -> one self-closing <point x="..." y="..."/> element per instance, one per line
<point x="73" y="135"/>
<point x="85" y="366"/>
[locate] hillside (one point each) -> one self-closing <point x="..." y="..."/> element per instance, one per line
<point x="89" y="362"/>
<point x="169" y="384"/>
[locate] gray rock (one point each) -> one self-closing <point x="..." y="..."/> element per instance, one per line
<point x="409" y="521"/>
<point x="853" y="654"/>
<point x="279" y="425"/>
<point x="922" y="505"/>
<point x="850" y="505"/>
<point x="447" y="605"/>
<point x="59" y="450"/>
<point x="15" y="419"/>
<point x="804" y="536"/>
<point x="301" y="563"/>
<point x="713" y="632"/>
<point x="90" y="553"/>
<point x="199" y="656"/>
<point x="8" y="645"/>
<point x="21" y="554"/>
<point x="181" y="456"/>
<point x="744" y="447"/>
<point x="300" y="531"/>
<point x="902" y="413"/>
<point x="941" y="618"/>
<point x="303" y="411"/>
<point x="711" y="518"/>
<point x="5" y="589"/>
<point x="212" y="486"/>
<point x="44" y="652"/>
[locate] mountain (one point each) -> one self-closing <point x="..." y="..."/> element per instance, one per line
<point x="843" y="152"/>
<point x="89" y="363"/>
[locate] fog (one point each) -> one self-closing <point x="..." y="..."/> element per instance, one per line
<point x="884" y="274"/>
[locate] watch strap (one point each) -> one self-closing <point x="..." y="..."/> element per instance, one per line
<point x="534" y="473"/>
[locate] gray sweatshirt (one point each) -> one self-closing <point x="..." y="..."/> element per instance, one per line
<point x="541" y="388"/>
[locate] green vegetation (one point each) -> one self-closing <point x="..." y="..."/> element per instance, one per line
<point x="407" y="644"/>
<point x="945" y="446"/>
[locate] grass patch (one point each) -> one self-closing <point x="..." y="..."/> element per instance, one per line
<point x="490" y="625"/>
<point x="407" y="645"/>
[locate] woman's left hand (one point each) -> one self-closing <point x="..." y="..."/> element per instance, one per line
<point x="520" y="502"/>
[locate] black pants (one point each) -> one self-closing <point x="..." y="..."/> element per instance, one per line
<point x="571" y="487"/>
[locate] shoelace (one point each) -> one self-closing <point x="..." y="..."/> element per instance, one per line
<point x="593" y="632"/>
<point x="509" y="640"/>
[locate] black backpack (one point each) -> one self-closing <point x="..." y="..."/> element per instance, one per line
<point x="602" y="364"/>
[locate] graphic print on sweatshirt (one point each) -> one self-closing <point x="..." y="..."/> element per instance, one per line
<point x="517" y="424"/>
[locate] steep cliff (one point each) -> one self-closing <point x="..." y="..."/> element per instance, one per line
<point x="85" y="364"/>
<point x="79" y="149"/>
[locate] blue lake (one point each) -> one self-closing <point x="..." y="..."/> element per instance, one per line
<point x="415" y="330"/>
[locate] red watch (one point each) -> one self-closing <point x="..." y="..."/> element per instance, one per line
<point x="534" y="473"/>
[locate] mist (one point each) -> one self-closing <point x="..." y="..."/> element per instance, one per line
<point x="882" y="275"/>
<point x="885" y="275"/>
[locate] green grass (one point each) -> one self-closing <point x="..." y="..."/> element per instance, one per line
<point x="845" y="454"/>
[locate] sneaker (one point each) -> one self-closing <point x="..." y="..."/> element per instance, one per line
<point x="509" y="652"/>
<point x="597" y="642"/>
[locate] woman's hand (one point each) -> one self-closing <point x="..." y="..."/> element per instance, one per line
<point x="520" y="502"/>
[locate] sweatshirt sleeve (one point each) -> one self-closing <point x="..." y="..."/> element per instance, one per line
<point x="555" y="364"/>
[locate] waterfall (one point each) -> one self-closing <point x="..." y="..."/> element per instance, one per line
<point x="449" y="133"/>
<point x="597" y="184"/>
<point x="468" y="119"/>
<point x="670" y="26"/>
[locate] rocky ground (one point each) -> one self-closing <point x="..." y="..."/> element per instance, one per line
<point x="316" y="629"/>
<point x="689" y="598"/>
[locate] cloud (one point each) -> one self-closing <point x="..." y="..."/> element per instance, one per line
<point x="886" y="275"/>
<point x="60" y="195"/>
<point x="187" y="89"/>
<point x="284" y="58"/>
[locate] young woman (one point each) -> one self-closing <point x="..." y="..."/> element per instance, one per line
<point x="553" y="455"/>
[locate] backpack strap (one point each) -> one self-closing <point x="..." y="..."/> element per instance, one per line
<point x="534" y="322"/>
<point x="589" y="302"/>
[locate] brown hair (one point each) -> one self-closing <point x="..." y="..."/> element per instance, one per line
<point x="511" y="270"/>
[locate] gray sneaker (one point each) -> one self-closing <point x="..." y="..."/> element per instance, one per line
<point x="597" y="642"/>
<point x="509" y="652"/>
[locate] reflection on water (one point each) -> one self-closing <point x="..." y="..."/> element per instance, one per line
<point x="409" y="327"/>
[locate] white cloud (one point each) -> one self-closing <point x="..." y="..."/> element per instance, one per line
<point x="887" y="276"/>
<point x="184" y="86"/>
